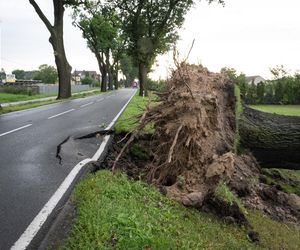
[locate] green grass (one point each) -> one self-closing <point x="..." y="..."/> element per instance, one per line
<point x="273" y="234"/>
<point x="286" y="178"/>
<point x="128" y="121"/>
<point x="7" y="97"/>
<point x="29" y="105"/>
<point x="116" y="213"/>
<point x="293" y="110"/>
<point x="222" y="191"/>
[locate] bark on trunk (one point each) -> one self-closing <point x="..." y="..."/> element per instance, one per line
<point x="57" y="42"/>
<point x="103" y="80"/>
<point x="102" y="69"/>
<point x="108" y="68"/>
<point x="273" y="139"/>
<point x="116" y="76"/>
<point x="143" y="79"/>
<point x="63" y="68"/>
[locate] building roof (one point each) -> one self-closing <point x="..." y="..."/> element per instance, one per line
<point x="255" y="79"/>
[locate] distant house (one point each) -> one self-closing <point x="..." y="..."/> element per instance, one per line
<point x="254" y="79"/>
<point x="78" y="75"/>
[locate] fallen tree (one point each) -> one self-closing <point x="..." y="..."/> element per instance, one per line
<point x="193" y="148"/>
<point x="273" y="139"/>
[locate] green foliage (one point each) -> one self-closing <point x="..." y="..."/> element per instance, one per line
<point x="87" y="80"/>
<point x="116" y="213"/>
<point x="46" y="73"/>
<point x="2" y="74"/>
<point x="156" y="86"/>
<point x="128" y="68"/>
<point x="222" y="191"/>
<point x="19" y="73"/>
<point x="139" y="151"/>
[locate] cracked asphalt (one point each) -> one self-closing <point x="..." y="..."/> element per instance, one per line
<point x="30" y="172"/>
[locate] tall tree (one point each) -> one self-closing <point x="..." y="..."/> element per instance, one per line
<point x="151" y="26"/>
<point x="19" y="73"/>
<point x="57" y="41"/>
<point x="99" y="26"/>
<point x="46" y="73"/>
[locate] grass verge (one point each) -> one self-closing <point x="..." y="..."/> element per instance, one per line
<point x="116" y="213"/>
<point x="128" y="121"/>
<point x="29" y="105"/>
<point x="7" y="97"/>
<point x="293" y="110"/>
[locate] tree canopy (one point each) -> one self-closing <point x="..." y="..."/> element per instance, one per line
<point x="46" y="73"/>
<point x="19" y="73"/>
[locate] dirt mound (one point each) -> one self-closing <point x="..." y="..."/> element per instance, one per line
<point x="194" y="131"/>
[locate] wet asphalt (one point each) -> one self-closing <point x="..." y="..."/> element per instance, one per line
<point x="30" y="172"/>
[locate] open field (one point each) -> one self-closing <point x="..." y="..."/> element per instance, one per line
<point x="293" y="110"/>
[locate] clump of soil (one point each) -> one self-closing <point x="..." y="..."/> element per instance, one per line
<point x="194" y="131"/>
<point x="192" y="148"/>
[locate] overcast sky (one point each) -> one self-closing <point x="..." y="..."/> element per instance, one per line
<point x="248" y="35"/>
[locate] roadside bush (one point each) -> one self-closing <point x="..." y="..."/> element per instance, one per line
<point x="87" y="81"/>
<point x="17" y="90"/>
<point x="157" y="86"/>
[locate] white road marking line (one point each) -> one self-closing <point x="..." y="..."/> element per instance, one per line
<point x="121" y="111"/>
<point x="14" y="130"/>
<point x="70" y="110"/>
<point x="37" y="223"/>
<point x="87" y="104"/>
<point x="100" y="100"/>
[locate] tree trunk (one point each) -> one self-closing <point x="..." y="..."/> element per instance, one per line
<point x="56" y="39"/>
<point x="273" y="139"/>
<point x="63" y="68"/>
<point x="108" y="68"/>
<point x="143" y="79"/>
<point x="116" y="76"/>
<point x="102" y="69"/>
<point x="103" y="80"/>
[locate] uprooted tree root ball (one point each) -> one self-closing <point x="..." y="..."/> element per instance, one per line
<point x="192" y="148"/>
<point x="194" y="131"/>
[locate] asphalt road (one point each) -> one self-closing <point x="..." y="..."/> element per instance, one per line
<point x="29" y="170"/>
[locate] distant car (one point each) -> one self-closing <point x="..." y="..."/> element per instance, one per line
<point x="134" y="84"/>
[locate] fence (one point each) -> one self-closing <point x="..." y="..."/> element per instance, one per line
<point x="48" y="89"/>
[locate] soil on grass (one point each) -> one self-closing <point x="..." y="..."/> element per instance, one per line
<point x="192" y="150"/>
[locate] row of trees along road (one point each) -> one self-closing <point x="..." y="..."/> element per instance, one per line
<point x="139" y="29"/>
<point x="45" y="73"/>
<point x="282" y="89"/>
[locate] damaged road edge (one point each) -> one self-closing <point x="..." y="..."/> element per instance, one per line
<point x="33" y="235"/>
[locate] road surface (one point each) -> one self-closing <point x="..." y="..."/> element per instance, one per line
<point x="30" y="172"/>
